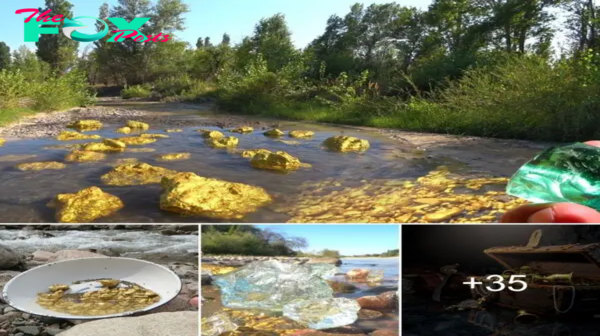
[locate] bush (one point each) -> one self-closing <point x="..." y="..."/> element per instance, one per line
<point x="136" y="91"/>
<point x="12" y="87"/>
<point x="241" y="243"/>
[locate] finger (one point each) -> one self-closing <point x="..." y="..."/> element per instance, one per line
<point x="565" y="213"/>
<point x="595" y="143"/>
<point x="194" y="301"/>
<point x="522" y="213"/>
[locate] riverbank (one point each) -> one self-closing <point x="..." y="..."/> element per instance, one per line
<point x="38" y="247"/>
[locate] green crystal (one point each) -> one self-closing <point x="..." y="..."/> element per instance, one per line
<point x="569" y="173"/>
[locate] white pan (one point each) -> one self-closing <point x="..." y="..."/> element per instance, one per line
<point x="21" y="291"/>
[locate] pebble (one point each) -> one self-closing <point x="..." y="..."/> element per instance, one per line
<point x="29" y="330"/>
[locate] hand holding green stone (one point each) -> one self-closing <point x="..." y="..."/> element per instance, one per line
<point x="565" y="179"/>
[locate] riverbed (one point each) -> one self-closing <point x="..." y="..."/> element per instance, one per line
<point x="375" y="180"/>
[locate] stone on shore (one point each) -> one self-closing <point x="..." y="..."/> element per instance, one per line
<point x="137" y="125"/>
<point x="190" y="194"/>
<point x="271" y="285"/>
<point x="84" y="156"/>
<point x="385" y="300"/>
<point x="85" y="125"/>
<point x="42" y="256"/>
<point x="301" y="134"/>
<point x="136" y="174"/>
<point x="345" y="144"/>
<point x="85" y="205"/>
<point x="280" y="161"/>
<point x="53" y="165"/>
<point x="73" y="135"/>
<point x="324" y="313"/>
<point x="217" y="324"/>
<point x="358" y="273"/>
<point x="159" y="324"/>
<point x="73" y="254"/>
<point x="9" y="259"/>
<point x="274" y="133"/>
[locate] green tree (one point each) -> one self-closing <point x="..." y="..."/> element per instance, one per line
<point x="199" y="43"/>
<point x="4" y="56"/>
<point x="226" y="39"/>
<point x="56" y="49"/>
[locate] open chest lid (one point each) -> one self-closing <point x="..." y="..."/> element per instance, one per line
<point x="582" y="260"/>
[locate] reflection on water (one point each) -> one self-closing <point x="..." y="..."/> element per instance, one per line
<point x="23" y="195"/>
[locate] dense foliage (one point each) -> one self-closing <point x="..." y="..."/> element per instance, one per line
<point x="247" y="240"/>
<point x="489" y="68"/>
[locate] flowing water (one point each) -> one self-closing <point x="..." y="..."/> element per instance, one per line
<point x="146" y="245"/>
<point x="24" y="195"/>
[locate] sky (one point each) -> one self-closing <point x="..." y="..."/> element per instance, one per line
<point x="306" y="18"/>
<point x="347" y="239"/>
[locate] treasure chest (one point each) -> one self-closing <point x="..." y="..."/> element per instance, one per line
<point x="560" y="279"/>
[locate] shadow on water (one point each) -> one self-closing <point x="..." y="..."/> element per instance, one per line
<point x="23" y="195"/>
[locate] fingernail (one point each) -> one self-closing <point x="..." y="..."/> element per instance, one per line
<point x="543" y="216"/>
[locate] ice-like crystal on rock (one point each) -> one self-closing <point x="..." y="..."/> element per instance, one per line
<point x="323" y="271"/>
<point x="323" y="314"/>
<point x="217" y="324"/>
<point x="568" y="173"/>
<point x="270" y="285"/>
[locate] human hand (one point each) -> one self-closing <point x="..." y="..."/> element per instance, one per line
<point x="553" y="212"/>
<point x="194" y="302"/>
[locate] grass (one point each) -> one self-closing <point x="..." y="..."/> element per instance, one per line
<point x="10" y="115"/>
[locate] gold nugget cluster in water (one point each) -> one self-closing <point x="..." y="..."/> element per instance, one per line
<point x="253" y="323"/>
<point x="115" y="297"/>
<point x="434" y="198"/>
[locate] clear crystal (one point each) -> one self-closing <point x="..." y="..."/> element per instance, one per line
<point x="217" y="324"/>
<point x="270" y="285"/>
<point x="324" y="271"/>
<point x="568" y="173"/>
<point x="323" y="314"/>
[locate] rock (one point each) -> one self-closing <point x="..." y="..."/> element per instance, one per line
<point x="73" y="135"/>
<point x="217" y="324"/>
<point x="9" y="259"/>
<point x="228" y="142"/>
<point x="301" y="134"/>
<point x="382" y="301"/>
<point x="366" y="314"/>
<point x="124" y="130"/>
<point x="174" y="156"/>
<point x="243" y="129"/>
<point x="136" y="140"/>
<point x="160" y="324"/>
<point x="273" y="133"/>
<point x="3" y="332"/>
<point x="84" y="156"/>
<point x="41" y="165"/>
<point x="85" y="125"/>
<point x="250" y="153"/>
<point x="136" y="174"/>
<point x="208" y="134"/>
<point x="107" y="145"/>
<point x="52" y="331"/>
<point x="385" y="332"/>
<point x="154" y="135"/>
<point x="342" y="287"/>
<point x="137" y="125"/>
<point x="206" y="277"/>
<point x="74" y="254"/>
<point x="9" y="317"/>
<point x="8" y="310"/>
<point x="280" y="161"/>
<point x="358" y="273"/>
<point x="323" y="314"/>
<point x="344" y="144"/>
<point x="190" y="194"/>
<point x="270" y="285"/>
<point x="29" y="330"/>
<point x="180" y="303"/>
<point x="2" y="142"/>
<point x="174" y="130"/>
<point x="85" y="205"/>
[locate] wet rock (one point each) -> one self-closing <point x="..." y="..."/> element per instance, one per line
<point x="243" y="129"/>
<point x="280" y="161"/>
<point x="73" y="135"/>
<point x="85" y="125"/>
<point x="217" y="324"/>
<point x="301" y="134"/>
<point x="174" y="156"/>
<point x="41" y="165"/>
<point x="385" y="332"/>
<point x="228" y="142"/>
<point x="136" y="140"/>
<point x="29" y="330"/>
<point x="271" y="285"/>
<point x="74" y="254"/>
<point x="137" y="125"/>
<point x="367" y="314"/>
<point x="273" y="133"/>
<point x="208" y="134"/>
<point x="358" y="273"/>
<point x="108" y="145"/>
<point x="323" y="314"/>
<point x="124" y="130"/>
<point x="344" y="144"/>
<point x="136" y="174"/>
<point x="42" y="256"/>
<point x="85" y="205"/>
<point x="206" y="277"/>
<point x="160" y="324"/>
<point x="342" y="287"/>
<point x="190" y="194"/>
<point x="251" y="152"/>
<point x="9" y="259"/>
<point x="174" y="130"/>
<point x="154" y="135"/>
<point x="84" y="156"/>
<point x="382" y="301"/>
